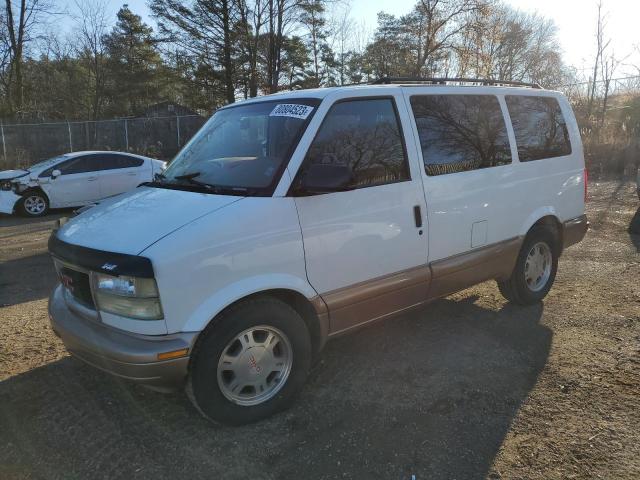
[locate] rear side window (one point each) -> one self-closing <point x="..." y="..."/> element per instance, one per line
<point x="459" y="133"/>
<point x="540" y="128"/>
<point x="111" y="161"/>
<point x="364" y="135"/>
<point x="88" y="163"/>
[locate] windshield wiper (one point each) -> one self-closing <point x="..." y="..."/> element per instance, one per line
<point x="218" y="189"/>
<point x="191" y="178"/>
<point x="158" y="179"/>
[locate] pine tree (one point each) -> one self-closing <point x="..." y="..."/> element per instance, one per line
<point x="137" y="76"/>
<point x="312" y="17"/>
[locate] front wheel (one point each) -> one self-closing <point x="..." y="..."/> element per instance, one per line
<point x="33" y="204"/>
<point x="250" y="363"/>
<point x="535" y="269"/>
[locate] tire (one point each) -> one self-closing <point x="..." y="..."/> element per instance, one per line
<point x="221" y="388"/>
<point x="33" y="203"/>
<point x="533" y="276"/>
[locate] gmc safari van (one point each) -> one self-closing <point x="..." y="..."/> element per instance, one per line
<point x="291" y="218"/>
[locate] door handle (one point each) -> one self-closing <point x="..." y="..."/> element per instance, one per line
<point x="132" y="174"/>
<point x="417" y="216"/>
<point x="91" y="179"/>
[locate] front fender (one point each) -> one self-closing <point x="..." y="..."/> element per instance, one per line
<point x="249" y="246"/>
<point x="46" y="188"/>
<point x="230" y="294"/>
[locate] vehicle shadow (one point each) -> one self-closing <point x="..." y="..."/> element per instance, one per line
<point x="27" y="278"/>
<point x="430" y="394"/>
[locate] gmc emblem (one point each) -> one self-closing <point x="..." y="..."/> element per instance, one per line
<point x="67" y="281"/>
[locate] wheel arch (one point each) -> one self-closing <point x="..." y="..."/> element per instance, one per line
<point x="550" y="220"/>
<point x="31" y="189"/>
<point x="36" y="188"/>
<point x="311" y="310"/>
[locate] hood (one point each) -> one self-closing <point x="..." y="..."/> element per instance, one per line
<point x="10" y="174"/>
<point x="130" y="222"/>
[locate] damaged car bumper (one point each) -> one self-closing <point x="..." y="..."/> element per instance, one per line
<point x="8" y="201"/>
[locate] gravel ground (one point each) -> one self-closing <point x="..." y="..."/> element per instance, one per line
<point x="470" y="387"/>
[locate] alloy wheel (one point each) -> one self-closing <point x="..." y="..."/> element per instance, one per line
<point x="34" y="204"/>
<point x="255" y="365"/>
<point x="537" y="267"/>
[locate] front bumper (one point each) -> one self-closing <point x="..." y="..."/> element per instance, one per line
<point x="127" y="355"/>
<point x="8" y="201"/>
<point x="574" y="230"/>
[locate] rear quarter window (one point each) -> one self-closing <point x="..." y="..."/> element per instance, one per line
<point x="539" y="126"/>
<point x="112" y="161"/>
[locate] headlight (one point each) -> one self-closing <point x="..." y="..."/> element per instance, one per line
<point x="5" y="185"/>
<point x="132" y="297"/>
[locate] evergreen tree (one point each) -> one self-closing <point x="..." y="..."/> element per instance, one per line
<point x="209" y="32"/>
<point x="295" y="59"/>
<point x="137" y="76"/>
<point x="313" y="19"/>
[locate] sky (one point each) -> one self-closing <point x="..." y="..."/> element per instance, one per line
<point x="575" y="19"/>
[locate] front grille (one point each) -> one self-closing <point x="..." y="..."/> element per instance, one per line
<point x="77" y="284"/>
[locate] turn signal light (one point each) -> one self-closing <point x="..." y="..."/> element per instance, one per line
<point x="173" y="354"/>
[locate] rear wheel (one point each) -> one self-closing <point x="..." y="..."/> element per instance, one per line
<point x="535" y="268"/>
<point x="33" y="204"/>
<point x="250" y="363"/>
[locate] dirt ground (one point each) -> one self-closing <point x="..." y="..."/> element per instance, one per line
<point x="470" y="387"/>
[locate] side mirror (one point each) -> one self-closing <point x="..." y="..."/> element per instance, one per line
<point x="56" y="174"/>
<point x="326" y="178"/>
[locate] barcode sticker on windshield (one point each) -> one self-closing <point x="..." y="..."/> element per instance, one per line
<point x="291" y="110"/>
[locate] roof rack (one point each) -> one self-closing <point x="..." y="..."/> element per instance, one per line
<point x="455" y="80"/>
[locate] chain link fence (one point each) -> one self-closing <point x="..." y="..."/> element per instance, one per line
<point x="157" y="137"/>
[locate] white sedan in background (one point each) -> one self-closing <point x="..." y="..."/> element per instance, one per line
<point x="73" y="180"/>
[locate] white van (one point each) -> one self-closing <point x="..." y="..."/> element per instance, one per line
<point x="295" y="217"/>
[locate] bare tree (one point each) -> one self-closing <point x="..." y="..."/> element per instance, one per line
<point x="341" y="32"/>
<point x="507" y="44"/>
<point x="20" y="23"/>
<point x="601" y="46"/>
<point x="5" y="55"/>
<point x="608" y="66"/>
<point x="437" y="22"/>
<point x="480" y="41"/>
<point x="92" y="23"/>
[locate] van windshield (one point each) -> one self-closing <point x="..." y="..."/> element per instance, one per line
<point x="242" y="149"/>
